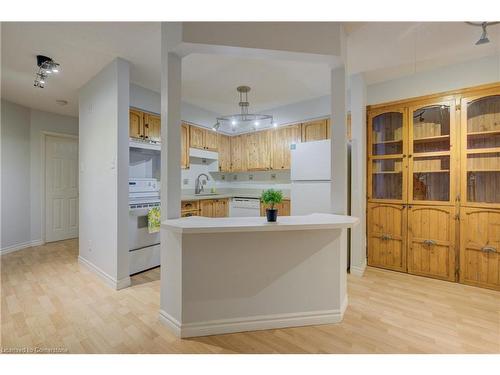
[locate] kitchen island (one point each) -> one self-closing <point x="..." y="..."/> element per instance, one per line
<point x="222" y="275"/>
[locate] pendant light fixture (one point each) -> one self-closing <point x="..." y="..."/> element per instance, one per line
<point x="484" y="36"/>
<point x="243" y="119"/>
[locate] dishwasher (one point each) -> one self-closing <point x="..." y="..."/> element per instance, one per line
<point x="244" y="207"/>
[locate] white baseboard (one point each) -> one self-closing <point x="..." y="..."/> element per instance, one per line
<point x="253" y="323"/>
<point x="358" y="270"/>
<point x="17" y="247"/>
<point x="110" y="281"/>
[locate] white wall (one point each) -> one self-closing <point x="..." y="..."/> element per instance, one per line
<point x="43" y="122"/>
<point x="22" y="130"/>
<point x="104" y="158"/>
<point x="149" y="100"/>
<point x="457" y="76"/>
<point x="15" y="138"/>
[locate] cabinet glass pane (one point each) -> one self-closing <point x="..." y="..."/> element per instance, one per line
<point x="431" y="129"/>
<point x="431" y="178"/>
<point x="483" y="123"/>
<point x="483" y="177"/>
<point x="387" y="134"/>
<point x="387" y="179"/>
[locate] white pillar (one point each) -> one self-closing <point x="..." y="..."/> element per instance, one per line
<point x="171" y="70"/>
<point x="358" y="173"/>
<point x="339" y="141"/>
<point x="339" y="159"/>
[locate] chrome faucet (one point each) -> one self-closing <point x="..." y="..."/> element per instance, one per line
<point x="198" y="186"/>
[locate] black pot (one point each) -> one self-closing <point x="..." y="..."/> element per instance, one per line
<point x="272" y="214"/>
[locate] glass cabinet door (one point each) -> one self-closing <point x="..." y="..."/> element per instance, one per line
<point x="387" y="155"/>
<point x="481" y="160"/>
<point x="431" y="134"/>
<point x="387" y="133"/>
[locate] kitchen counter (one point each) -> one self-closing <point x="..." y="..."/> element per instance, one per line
<point x="197" y="224"/>
<point x="223" y="275"/>
<point x="199" y="197"/>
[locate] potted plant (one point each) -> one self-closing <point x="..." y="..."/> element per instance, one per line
<point x="271" y="197"/>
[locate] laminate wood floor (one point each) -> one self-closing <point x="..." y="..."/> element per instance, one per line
<point x="49" y="301"/>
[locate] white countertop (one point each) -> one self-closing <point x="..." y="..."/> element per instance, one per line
<point x="199" y="197"/>
<point x="198" y="224"/>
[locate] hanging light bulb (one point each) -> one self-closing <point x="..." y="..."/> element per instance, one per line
<point x="216" y="126"/>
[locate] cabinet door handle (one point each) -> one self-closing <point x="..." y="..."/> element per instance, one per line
<point x="488" y="249"/>
<point x="386" y="237"/>
<point x="429" y="242"/>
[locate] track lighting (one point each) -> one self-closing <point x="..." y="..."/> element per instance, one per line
<point x="484" y="36"/>
<point x="216" y="126"/>
<point x="46" y="66"/>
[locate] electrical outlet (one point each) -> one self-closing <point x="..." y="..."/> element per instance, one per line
<point x="223" y="177"/>
<point x="90" y="245"/>
<point x="250" y="177"/>
<point x="185" y="181"/>
<point x="235" y="177"/>
<point x="273" y="176"/>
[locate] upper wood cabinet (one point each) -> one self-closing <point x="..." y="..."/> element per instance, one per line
<point x="480" y="157"/>
<point x="258" y="150"/>
<point x="204" y="139"/>
<point x="152" y="127"/>
<point x="145" y="126"/>
<point x="224" y="149"/>
<point x="316" y="130"/>
<point x="281" y="139"/>
<point x="136" y="124"/>
<point x="184" y="146"/>
<point x="238" y="153"/>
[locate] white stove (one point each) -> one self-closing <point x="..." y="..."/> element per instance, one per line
<point x="144" y="247"/>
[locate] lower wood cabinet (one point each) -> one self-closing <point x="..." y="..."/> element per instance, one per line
<point x="387" y="226"/>
<point x="214" y="207"/>
<point x="431" y="241"/>
<point x="480" y="247"/>
<point x="283" y="208"/>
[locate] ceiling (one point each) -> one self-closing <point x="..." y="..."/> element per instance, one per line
<point x="381" y="51"/>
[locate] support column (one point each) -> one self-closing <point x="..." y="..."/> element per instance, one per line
<point x="358" y="173"/>
<point x="339" y="141"/>
<point x="339" y="161"/>
<point x="171" y="77"/>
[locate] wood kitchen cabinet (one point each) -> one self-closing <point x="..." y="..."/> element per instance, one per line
<point x="144" y="126"/>
<point x="190" y="208"/>
<point x="316" y="130"/>
<point x="204" y="139"/>
<point x="480" y="247"/>
<point x="281" y="139"/>
<point x="224" y="149"/>
<point x="258" y="151"/>
<point x="238" y="153"/>
<point x="214" y="207"/>
<point x="184" y="146"/>
<point x="283" y="208"/>
<point x="152" y="127"/>
<point x="387" y="228"/>
<point x="136" y="124"/>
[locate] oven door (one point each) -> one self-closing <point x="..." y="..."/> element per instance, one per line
<point x="139" y="236"/>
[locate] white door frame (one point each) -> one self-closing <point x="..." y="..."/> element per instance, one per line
<point x="43" y="213"/>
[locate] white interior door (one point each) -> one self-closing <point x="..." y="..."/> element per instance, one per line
<point x="61" y="188"/>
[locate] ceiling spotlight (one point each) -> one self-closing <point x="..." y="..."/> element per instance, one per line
<point x="275" y="124"/>
<point x="46" y="66"/>
<point x="256" y="123"/>
<point x="216" y="126"/>
<point x="233" y="122"/>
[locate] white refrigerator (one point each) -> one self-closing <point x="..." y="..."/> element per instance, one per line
<point x="311" y="177"/>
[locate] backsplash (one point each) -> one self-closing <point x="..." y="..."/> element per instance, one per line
<point x="253" y="180"/>
<point x="197" y="166"/>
